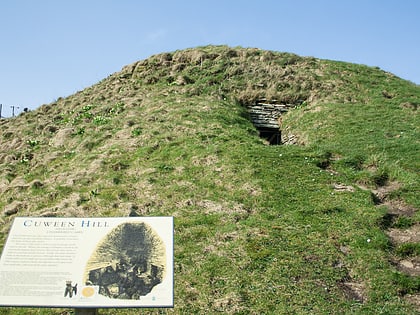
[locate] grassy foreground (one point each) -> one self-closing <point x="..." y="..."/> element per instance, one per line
<point x="303" y="228"/>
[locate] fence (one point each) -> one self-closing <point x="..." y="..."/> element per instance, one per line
<point x="14" y="109"/>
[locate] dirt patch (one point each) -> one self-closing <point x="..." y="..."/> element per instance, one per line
<point x="13" y="208"/>
<point x="400" y="236"/>
<point x="61" y="137"/>
<point x="414" y="299"/>
<point x="396" y="207"/>
<point x="381" y="193"/>
<point x="402" y="231"/>
<point x="410" y="105"/>
<point x="411" y="235"/>
<point x="211" y="207"/>
<point x="409" y="265"/>
<point x="229" y="304"/>
<point x="353" y="291"/>
<point x="205" y="161"/>
<point x="341" y="187"/>
<point x="399" y="208"/>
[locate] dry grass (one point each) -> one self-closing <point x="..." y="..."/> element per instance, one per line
<point x="258" y="229"/>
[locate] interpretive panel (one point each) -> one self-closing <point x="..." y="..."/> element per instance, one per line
<point x="88" y="262"/>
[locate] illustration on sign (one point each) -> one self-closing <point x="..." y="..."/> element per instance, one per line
<point x="128" y="263"/>
<point x="88" y="262"/>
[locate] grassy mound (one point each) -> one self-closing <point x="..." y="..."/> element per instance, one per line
<point x="308" y="228"/>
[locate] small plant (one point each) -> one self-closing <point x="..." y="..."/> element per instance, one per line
<point x="117" y="109"/>
<point x="94" y="192"/>
<point x="32" y="143"/>
<point x="136" y="132"/>
<point x="87" y="115"/>
<point x="87" y="108"/>
<point x="375" y="160"/>
<point x="26" y="158"/>
<point x="164" y="168"/>
<point x="69" y="154"/>
<point x="80" y="131"/>
<point x="100" y="120"/>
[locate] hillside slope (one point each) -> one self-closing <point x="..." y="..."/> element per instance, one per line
<point x="328" y="224"/>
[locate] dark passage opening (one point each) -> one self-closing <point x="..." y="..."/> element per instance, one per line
<point x="272" y="135"/>
<point x="266" y="117"/>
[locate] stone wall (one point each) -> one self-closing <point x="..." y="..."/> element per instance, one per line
<point x="267" y="114"/>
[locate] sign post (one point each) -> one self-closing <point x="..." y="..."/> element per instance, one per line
<point x="86" y="311"/>
<point x="88" y="263"/>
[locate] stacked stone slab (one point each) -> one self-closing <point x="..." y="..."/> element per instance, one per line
<point x="266" y="114"/>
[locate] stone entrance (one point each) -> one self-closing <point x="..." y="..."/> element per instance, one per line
<point x="266" y="117"/>
<point x="272" y="135"/>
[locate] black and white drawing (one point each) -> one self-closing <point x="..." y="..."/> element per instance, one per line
<point x="128" y="263"/>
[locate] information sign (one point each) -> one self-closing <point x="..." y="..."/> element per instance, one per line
<point x="88" y="262"/>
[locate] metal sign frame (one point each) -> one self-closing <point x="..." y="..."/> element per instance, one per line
<point x="88" y="263"/>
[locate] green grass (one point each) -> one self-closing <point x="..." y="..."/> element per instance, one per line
<point x="258" y="229"/>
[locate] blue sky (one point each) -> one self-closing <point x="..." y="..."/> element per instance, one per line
<point x="54" y="48"/>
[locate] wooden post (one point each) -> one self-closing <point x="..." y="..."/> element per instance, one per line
<point x="86" y="311"/>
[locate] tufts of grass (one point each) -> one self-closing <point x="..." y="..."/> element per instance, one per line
<point x="258" y="229"/>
